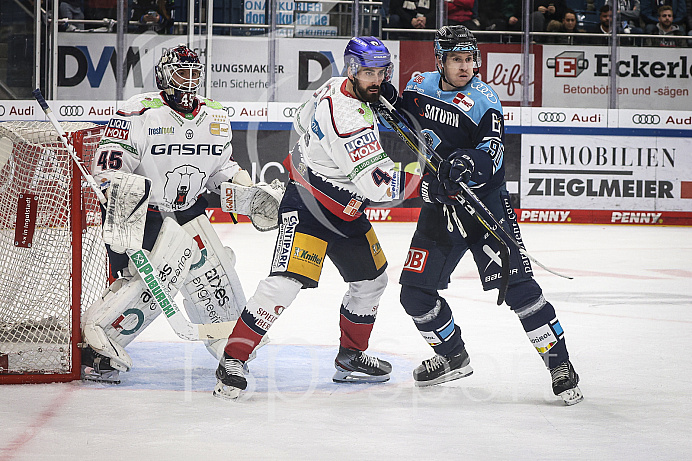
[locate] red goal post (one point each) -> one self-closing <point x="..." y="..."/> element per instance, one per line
<point x="53" y="263"/>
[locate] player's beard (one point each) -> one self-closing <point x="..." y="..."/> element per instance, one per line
<point x="363" y="93"/>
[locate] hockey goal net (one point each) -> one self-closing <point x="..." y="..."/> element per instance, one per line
<point x="53" y="263"/>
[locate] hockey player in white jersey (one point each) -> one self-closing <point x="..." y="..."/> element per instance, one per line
<point x="158" y="154"/>
<point x="336" y="168"/>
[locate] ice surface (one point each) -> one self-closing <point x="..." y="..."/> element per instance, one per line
<point x="627" y="317"/>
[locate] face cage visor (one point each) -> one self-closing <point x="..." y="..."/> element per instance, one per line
<point x="183" y="81"/>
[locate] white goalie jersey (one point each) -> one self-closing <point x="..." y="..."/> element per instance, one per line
<point x="339" y="157"/>
<point x="182" y="154"/>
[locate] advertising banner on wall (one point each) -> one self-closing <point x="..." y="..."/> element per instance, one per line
<point x="652" y="78"/>
<point x="648" y="77"/>
<point x="606" y="173"/>
<point x="239" y="69"/>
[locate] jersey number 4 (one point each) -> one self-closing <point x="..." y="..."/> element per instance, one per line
<point x="110" y="160"/>
<point x="379" y="177"/>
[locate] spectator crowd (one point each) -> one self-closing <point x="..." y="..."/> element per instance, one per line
<point x="662" y="18"/>
<point x="100" y="15"/>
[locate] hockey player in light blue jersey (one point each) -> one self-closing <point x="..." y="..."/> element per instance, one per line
<point x="461" y="118"/>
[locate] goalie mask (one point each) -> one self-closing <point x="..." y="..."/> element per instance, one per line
<point x="455" y="38"/>
<point x="179" y="74"/>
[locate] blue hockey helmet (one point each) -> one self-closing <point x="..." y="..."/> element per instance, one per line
<point x="367" y="52"/>
<point x="456" y="38"/>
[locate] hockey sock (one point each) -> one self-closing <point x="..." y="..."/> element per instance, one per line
<point x="433" y="318"/>
<point x="540" y="322"/>
<point x="273" y="295"/>
<point x="358" y="311"/>
<point x="355" y="329"/>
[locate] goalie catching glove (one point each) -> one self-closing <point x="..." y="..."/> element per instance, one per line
<point x="260" y="202"/>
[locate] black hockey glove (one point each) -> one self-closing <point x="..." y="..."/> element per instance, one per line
<point x="388" y="91"/>
<point x="455" y="170"/>
<point x="432" y="191"/>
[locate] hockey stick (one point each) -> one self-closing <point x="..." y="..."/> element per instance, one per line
<point x="430" y="154"/>
<point x="394" y="120"/>
<point x="181" y="326"/>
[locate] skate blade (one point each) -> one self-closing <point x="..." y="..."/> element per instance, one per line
<point x="456" y="374"/>
<point x="225" y="392"/>
<point x="354" y="377"/>
<point x="572" y="396"/>
<point x="109" y="377"/>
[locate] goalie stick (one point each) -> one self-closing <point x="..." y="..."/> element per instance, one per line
<point x="180" y="325"/>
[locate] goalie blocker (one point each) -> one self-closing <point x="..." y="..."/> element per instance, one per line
<point x="260" y="202"/>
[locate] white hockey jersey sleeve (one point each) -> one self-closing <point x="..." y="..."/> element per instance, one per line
<point x="225" y="172"/>
<point x="117" y="151"/>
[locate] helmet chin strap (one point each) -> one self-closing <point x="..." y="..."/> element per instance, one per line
<point x="441" y="71"/>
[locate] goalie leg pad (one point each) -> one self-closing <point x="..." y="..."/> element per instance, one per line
<point x="358" y="311"/>
<point x="274" y="294"/>
<point x="114" y="321"/>
<point x="212" y="289"/>
<point x="174" y="252"/>
<point x="128" y="307"/>
<point x="212" y="285"/>
<point x="126" y="210"/>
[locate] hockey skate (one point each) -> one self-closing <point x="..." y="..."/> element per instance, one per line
<point x="230" y="378"/>
<point x="440" y="369"/>
<point x="565" y="381"/>
<point x="357" y="367"/>
<point x="96" y="367"/>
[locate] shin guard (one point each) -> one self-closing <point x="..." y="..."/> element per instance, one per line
<point x="359" y="310"/>
<point x="540" y="322"/>
<point x="433" y="319"/>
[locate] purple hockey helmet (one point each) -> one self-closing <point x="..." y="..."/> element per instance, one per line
<point x="367" y="52"/>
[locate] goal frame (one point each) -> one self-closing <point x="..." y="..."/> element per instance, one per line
<point x="78" y="226"/>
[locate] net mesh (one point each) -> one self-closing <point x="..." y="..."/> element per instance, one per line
<point x="36" y="246"/>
